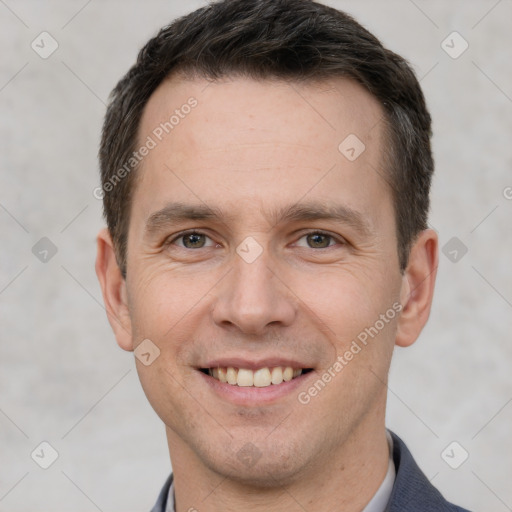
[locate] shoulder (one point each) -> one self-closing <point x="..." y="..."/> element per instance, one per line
<point x="412" y="489"/>
<point x="161" y="502"/>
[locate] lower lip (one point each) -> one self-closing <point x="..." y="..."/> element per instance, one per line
<point x="250" y="395"/>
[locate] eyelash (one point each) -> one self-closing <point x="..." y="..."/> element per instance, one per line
<point x="196" y="232"/>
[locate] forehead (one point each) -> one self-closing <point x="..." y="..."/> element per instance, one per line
<point x="239" y="137"/>
<point x="262" y="109"/>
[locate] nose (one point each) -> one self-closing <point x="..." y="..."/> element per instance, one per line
<point x="253" y="297"/>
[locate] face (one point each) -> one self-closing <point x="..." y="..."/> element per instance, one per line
<point x="259" y="239"/>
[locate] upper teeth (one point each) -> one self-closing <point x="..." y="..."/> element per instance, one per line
<point x="259" y="378"/>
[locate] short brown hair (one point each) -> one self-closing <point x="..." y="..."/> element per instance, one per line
<point x="294" y="40"/>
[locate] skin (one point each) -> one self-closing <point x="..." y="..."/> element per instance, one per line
<point x="251" y="147"/>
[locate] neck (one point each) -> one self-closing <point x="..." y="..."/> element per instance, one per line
<point x="345" y="480"/>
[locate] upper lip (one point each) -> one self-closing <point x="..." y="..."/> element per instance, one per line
<point x="255" y="364"/>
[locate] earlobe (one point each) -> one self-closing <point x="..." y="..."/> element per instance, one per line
<point x="113" y="288"/>
<point x="417" y="288"/>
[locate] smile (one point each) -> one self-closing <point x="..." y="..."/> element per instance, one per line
<point x="260" y="378"/>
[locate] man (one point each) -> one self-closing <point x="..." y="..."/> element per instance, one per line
<point x="266" y="167"/>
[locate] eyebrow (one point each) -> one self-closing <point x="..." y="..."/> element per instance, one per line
<point x="176" y="212"/>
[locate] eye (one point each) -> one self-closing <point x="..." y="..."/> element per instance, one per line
<point x="198" y="240"/>
<point x="190" y="240"/>
<point x="320" y="240"/>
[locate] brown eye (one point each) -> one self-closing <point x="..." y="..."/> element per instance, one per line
<point x="191" y="240"/>
<point x="318" y="240"/>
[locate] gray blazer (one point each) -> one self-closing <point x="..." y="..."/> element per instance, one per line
<point x="412" y="491"/>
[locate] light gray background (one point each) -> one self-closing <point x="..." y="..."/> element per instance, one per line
<point x="63" y="378"/>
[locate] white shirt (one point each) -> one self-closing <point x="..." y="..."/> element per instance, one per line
<point x="377" y="504"/>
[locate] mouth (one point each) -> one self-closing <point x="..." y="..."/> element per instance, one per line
<point x="263" y="377"/>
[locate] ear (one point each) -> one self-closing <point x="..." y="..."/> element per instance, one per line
<point x="113" y="287"/>
<point x="417" y="288"/>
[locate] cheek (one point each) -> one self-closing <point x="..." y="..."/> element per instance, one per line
<point x="347" y="307"/>
<point x="344" y="300"/>
<point x="163" y="298"/>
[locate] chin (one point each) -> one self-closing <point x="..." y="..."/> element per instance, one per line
<point x="271" y="466"/>
<point x="263" y="475"/>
